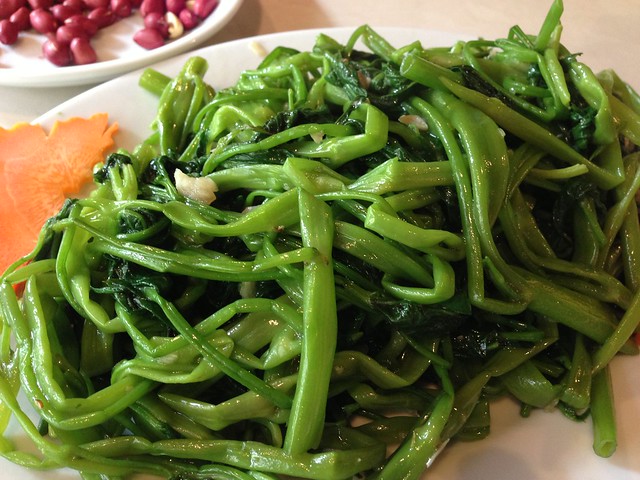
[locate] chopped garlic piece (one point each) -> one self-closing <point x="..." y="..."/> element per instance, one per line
<point x="201" y="189"/>
<point x="414" y="120"/>
<point x="317" y="137"/>
<point x="258" y="49"/>
<point x="363" y="80"/>
<point x="248" y="289"/>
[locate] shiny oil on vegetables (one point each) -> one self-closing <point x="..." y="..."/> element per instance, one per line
<point x="393" y="235"/>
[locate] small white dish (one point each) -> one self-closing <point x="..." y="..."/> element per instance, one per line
<point x="23" y="65"/>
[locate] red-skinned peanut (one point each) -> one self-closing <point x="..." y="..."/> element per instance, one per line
<point x="82" y="52"/>
<point x="61" y="12"/>
<point x="56" y="52"/>
<point x="96" y="3"/>
<point x="122" y="8"/>
<point x="8" y="7"/>
<point x="20" y="18"/>
<point x="176" y="6"/>
<point x="43" y="21"/>
<point x="8" y="32"/>
<point x="203" y="8"/>
<point x="150" y="6"/>
<point x="189" y="19"/>
<point x="158" y="22"/>
<point x="149" y="38"/>
<point x="102" y="16"/>
<point x="66" y="33"/>
<point x="89" y="25"/>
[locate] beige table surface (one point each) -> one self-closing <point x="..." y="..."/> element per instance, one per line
<point x="606" y="31"/>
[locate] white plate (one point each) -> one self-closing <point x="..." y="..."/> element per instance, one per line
<point x="22" y="65"/>
<point x="544" y="446"/>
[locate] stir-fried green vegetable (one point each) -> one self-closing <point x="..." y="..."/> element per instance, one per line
<point x="394" y="236"/>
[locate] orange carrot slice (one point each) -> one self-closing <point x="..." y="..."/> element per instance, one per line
<point x="39" y="171"/>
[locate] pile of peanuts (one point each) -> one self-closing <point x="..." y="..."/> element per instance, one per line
<point x="69" y="25"/>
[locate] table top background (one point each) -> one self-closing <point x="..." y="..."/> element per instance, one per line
<point x="606" y="32"/>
